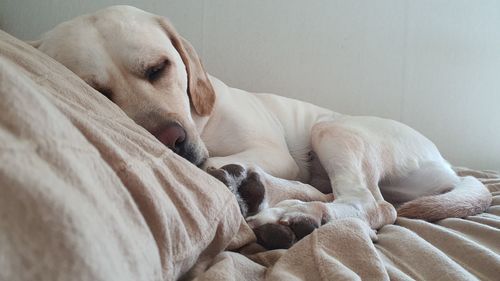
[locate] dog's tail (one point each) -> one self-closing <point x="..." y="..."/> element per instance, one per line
<point x="467" y="198"/>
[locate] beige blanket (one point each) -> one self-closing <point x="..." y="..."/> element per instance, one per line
<point x="452" y="249"/>
<point x="86" y="194"/>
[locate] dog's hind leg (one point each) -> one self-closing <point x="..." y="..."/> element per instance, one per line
<point x="356" y="153"/>
<point x="352" y="162"/>
<point x="355" y="161"/>
<point x="359" y="153"/>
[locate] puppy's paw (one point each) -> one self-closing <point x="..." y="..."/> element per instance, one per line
<point x="286" y="223"/>
<point x="280" y="236"/>
<point x="245" y="184"/>
<point x="275" y="236"/>
<point x="231" y="175"/>
<point x="288" y="211"/>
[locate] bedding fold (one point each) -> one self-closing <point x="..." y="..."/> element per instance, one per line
<point x="87" y="194"/>
<point x="450" y="249"/>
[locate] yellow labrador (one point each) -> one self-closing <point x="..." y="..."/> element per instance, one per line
<point x="269" y="150"/>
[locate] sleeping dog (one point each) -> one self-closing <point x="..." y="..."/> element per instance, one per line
<point x="293" y="166"/>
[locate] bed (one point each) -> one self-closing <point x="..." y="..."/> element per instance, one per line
<point x="86" y="194"/>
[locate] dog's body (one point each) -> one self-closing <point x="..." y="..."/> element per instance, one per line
<point x="280" y="146"/>
<point x="278" y="134"/>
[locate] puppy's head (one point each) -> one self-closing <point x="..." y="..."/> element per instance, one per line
<point x="139" y="61"/>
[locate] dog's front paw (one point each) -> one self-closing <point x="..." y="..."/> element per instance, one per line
<point x="288" y="222"/>
<point x="245" y="184"/>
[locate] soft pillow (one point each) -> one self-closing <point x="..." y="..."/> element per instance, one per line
<point x="85" y="193"/>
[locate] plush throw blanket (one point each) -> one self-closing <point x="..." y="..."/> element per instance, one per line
<point x="86" y="194"/>
<point x="452" y="249"/>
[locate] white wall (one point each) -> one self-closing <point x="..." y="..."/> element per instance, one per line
<point x="434" y="65"/>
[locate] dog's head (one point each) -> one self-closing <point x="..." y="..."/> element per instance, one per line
<point x="138" y="61"/>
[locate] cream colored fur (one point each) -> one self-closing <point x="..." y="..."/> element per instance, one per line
<point x="363" y="159"/>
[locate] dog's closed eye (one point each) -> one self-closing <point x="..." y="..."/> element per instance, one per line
<point x="155" y="72"/>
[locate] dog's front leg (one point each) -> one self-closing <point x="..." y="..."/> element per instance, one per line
<point x="256" y="190"/>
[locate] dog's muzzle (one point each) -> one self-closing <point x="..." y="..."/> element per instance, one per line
<point x="174" y="137"/>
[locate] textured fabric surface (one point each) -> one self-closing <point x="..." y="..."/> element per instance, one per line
<point x="86" y="194"/>
<point x="451" y="249"/>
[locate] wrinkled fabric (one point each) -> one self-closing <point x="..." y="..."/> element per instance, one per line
<point x="85" y="193"/>
<point x="451" y="249"/>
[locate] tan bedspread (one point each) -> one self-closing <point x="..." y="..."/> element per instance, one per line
<point x="86" y="194"/>
<point x="452" y="249"/>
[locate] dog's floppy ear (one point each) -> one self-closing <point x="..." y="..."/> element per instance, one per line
<point x="200" y="90"/>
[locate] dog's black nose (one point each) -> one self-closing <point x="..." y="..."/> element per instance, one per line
<point x="172" y="135"/>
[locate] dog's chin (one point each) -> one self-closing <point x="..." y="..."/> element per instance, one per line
<point x="201" y="161"/>
<point x="196" y="160"/>
<point x="194" y="154"/>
